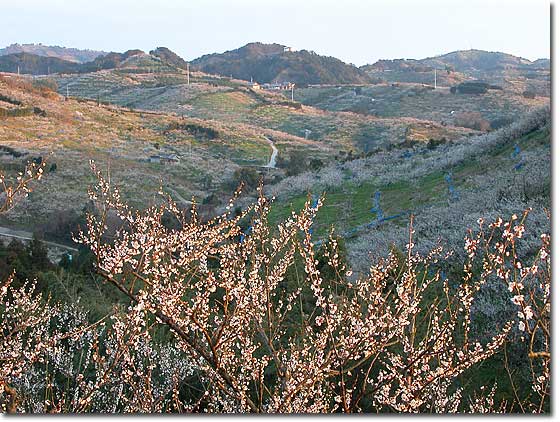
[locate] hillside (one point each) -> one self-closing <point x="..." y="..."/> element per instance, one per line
<point x="465" y="61"/>
<point x="267" y="63"/>
<point x="109" y="61"/>
<point x="225" y="100"/>
<point x="34" y="64"/>
<point x="225" y="127"/>
<point x="392" y="100"/>
<point x="510" y="72"/>
<point x="476" y="60"/>
<point x="63" y="53"/>
<point x="169" y="57"/>
<point x="446" y="187"/>
<point x="179" y="151"/>
<point x="350" y="138"/>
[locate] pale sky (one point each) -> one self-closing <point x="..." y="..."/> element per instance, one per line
<point x="356" y="31"/>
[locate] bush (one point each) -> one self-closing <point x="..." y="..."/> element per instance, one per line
<point x="472" y="87"/>
<point x="16" y="112"/>
<point x="316" y="164"/>
<point x="61" y="225"/>
<point x="47" y="87"/>
<point x="433" y="143"/>
<point x="501" y="122"/>
<point x="10" y="100"/>
<point x="26" y="260"/>
<point x="13" y="152"/>
<point x="472" y="120"/>
<point x="197" y="131"/>
<point x="39" y="111"/>
<point x="247" y="176"/>
<point x="529" y="94"/>
<point x="295" y="164"/>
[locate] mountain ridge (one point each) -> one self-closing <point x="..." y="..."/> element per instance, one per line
<point x="70" y="54"/>
<point x="267" y="63"/>
<point x="460" y="60"/>
<point x="271" y="63"/>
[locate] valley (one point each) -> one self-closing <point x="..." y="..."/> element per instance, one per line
<point x="276" y="207"/>
<point x="152" y="125"/>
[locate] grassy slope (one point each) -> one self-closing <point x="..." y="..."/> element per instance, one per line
<point x="243" y="117"/>
<point x="73" y="132"/>
<point x="348" y="206"/>
<point x="414" y="100"/>
<point x="230" y="100"/>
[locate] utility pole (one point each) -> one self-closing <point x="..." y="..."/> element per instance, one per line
<point x="188" y="75"/>
<point x="18" y="69"/>
<point x="293" y="92"/>
<point x="435" y="78"/>
<point x="67" y="91"/>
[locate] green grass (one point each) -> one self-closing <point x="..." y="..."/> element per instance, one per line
<point x="348" y="206"/>
<point x="230" y="105"/>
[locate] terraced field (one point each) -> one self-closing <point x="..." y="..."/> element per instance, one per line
<point x="447" y="188"/>
<point x="227" y="100"/>
<point x="407" y="131"/>
<point x="416" y="100"/>
<point x="72" y="132"/>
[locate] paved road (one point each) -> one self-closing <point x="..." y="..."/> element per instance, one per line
<point x="272" y="162"/>
<point x="23" y="235"/>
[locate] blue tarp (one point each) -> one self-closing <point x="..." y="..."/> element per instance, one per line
<point x="452" y="192"/>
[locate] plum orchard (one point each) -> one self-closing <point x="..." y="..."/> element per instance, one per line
<point x="239" y="338"/>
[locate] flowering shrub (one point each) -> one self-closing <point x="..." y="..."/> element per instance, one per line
<point x="243" y="336"/>
<point x="14" y="190"/>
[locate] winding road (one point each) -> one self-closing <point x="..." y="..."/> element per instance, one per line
<point x="23" y="235"/>
<point x="272" y="163"/>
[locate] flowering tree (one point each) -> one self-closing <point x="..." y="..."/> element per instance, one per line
<point x="379" y="342"/>
<point x="26" y="311"/>
<point x="12" y="191"/>
<point x="247" y="336"/>
<point x="529" y="285"/>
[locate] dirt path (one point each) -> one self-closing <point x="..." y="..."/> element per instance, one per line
<point x="23" y="235"/>
<point x="272" y="162"/>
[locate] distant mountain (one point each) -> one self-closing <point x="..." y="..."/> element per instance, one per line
<point x="465" y="61"/>
<point x="39" y="65"/>
<point x="541" y="64"/>
<point x="169" y="57"/>
<point x="131" y="61"/>
<point x="267" y="63"/>
<point x="68" y="54"/>
<point x="477" y="60"/>
<point x="36" y="65"/>
<point x="109" y="61"/>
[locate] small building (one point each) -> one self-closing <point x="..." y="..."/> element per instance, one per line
<point x="284" y="86"/>
<point x="164" y="158"/>
<point x="255" y="85"/>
